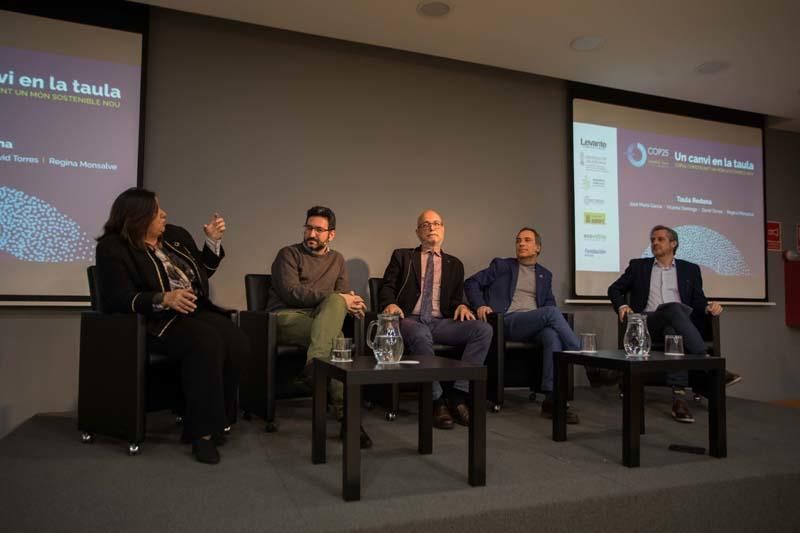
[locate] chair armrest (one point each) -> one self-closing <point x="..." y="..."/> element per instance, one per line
<point x="498" y="330"/>
<point x="232" y="313"/>
<point x="716" y="335"/>
<point x="112" y="373"/>
<point x="255" y="325"/>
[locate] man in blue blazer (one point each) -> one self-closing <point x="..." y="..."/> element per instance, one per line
<point x="521" y="289"/>
<point x="662" y="287"/>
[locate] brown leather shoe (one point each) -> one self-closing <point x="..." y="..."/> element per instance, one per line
<point x="547" y="412"/>
<point x="442" y="418"/>
<point x="681" y="413"/>
<point x="461" y="414"/>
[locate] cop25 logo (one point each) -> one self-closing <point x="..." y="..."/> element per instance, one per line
<point x="636" y="154"/>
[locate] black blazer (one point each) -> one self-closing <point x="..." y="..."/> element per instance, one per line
<point x="402" y="285"/>
<point x="636" y="282"/>
<point x="129" y="277"/>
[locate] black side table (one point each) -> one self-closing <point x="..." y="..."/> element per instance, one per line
<point x="366" y="371"/>
<point x="633" y="369"/>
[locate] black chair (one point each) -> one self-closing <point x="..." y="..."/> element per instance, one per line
<point x="120" y="380"/>
<point x="516" y="363"/>
<point x="392" y="398"/>
<point x="273" y="364"/>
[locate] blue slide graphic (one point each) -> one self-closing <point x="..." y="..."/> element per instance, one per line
<point x="33" y="230"/>
<point x="710" y="249"/>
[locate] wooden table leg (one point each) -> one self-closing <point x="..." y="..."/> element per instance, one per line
<point x="477" y="433"/>
<point x="641" y="407"/>
<point x="717" y="431"/>
<point x="560" y="400"/>
<point x="351" y="448"/>
<point x="631" y="416"/>
<point x="425" y="445"/>
<point x="318" y="411"/>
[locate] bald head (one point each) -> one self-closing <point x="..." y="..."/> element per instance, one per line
<point x="430" y="229"/>
<point x="429" y="213"/>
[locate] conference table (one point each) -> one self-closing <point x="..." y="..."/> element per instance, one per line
<point x="422" y="370"/>
<point x="634" y="369"/>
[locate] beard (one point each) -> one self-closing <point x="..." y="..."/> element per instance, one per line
<point x="315" y="244"/>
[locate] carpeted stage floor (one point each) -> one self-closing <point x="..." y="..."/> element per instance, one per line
<point x="266" y="482"/>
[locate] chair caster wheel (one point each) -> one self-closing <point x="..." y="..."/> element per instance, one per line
<point x="532" y="397"/>
<point x="391" y="416"/>
<point x="226" y="430"/>
<point x="246" y="415"/>
<point x="272" y="427"/>
<point x="496" y="408"/>
<point x="178" y="420"/>
<point x="87" y="438"/>
<point x="369" y="405"/>
<point x="698" y="398"/>
<point x="133" y="449"/>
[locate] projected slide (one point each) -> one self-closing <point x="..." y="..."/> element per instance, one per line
<point x="69" y="138"/>
<point x="634" y="169"/>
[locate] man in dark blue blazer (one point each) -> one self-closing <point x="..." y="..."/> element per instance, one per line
<point x="662" y="287"/>
<point x="521" y="289"/>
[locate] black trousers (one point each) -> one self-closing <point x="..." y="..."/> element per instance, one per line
<point x="211" y="349"/>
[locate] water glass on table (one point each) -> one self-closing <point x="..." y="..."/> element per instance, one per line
<point x="673" y="345"/>
<point x="588" y="342"/>
<point x="342" y="351"/>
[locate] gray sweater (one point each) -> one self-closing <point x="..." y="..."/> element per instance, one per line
<point x="301" y="279"/>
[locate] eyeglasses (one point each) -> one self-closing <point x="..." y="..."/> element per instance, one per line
<point x="430" y="225"/>
<point x="309" y="229"/>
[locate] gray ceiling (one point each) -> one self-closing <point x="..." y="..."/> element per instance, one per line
<point x="648" y="46"/>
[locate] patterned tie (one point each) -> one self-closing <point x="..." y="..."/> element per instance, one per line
<point x="426" y="309"/>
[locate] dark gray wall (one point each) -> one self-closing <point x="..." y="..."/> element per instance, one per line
<point x="260" y="124"/>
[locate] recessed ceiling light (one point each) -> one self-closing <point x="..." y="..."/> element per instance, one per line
<point x="712" y="67"/>
<point x="433" y="8"/>
<point x="586" y="42"/>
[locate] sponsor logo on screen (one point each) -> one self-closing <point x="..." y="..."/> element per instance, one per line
<point x="636" y="154"/>
<point x="591" y="143"/>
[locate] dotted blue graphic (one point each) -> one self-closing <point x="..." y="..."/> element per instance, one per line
<point x="33" y="230"/>
<point x="631" y="154"/>
<point x="710" y="249"/>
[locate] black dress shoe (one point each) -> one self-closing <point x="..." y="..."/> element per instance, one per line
<point x="219" y="439"/>
<point x="442" y="418"/>
<point x="364" y="440"/>
<point x="205" y="451"/>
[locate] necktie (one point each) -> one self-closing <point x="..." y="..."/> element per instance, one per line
<point x="426" y="309"/>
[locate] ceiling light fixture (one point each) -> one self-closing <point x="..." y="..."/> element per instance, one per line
<point x="712" y="67"/>
<point x="433" y="8"/>
<point x="585" y="43"/>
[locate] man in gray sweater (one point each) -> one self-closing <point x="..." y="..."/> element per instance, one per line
<point x="312" y="295"/>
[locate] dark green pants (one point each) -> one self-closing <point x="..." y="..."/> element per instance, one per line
<point x="316" y="328"/>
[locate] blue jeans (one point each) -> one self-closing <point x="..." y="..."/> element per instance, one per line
<point x="546" y="326"/>
<point x="673" y="320"/>
<point x="474" y="335"/>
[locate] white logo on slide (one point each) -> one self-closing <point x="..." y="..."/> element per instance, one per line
<point x="637" y="160"/>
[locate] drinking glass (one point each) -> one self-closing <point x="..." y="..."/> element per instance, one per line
<point x="342" y="351"/>
<point x="673" y="345"/>
<point x="588" y="342"/>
